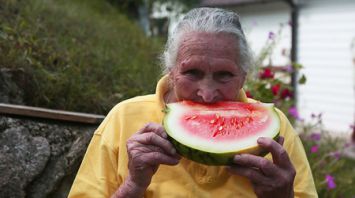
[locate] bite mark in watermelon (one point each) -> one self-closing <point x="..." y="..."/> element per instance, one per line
<point x="212" y="134"/>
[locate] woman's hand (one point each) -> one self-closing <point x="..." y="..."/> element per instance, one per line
<point x="147" y="149"/>
<point x="269" y="179"/>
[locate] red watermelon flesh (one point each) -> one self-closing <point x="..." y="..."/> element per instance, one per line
<point x="214" y="133"/>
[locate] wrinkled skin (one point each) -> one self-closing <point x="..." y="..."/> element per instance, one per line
<point x="147" y="149"/>
<point x="206" y="71"/>
<point x="269" y="179"/>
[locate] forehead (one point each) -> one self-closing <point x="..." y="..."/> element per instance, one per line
<point x="208" y="45"/>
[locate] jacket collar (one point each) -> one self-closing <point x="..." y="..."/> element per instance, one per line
<point x="163" y="87"/>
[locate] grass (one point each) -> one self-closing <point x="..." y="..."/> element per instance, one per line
<point x="77" y="55"/>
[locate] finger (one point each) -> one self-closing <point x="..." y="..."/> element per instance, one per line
<point x="281" y="140"/>
<point x="154" y="127"/>
<point x="252" y="174"/>
<point x="143" y="148"/>
<point x="154" y="139"/>
<point x="156" y="158"/>
<point x="279" y="154"/>
<point x="247" y="160"/>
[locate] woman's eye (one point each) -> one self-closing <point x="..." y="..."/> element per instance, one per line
<point x="223" y="76"/>
<point x="194" y="73"/>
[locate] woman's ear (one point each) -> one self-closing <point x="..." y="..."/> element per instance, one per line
<point x="244" y="79"/>
<point x="170" y="78"/>
<point x="171" y="74"/>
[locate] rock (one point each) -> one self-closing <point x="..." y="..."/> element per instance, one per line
<point x="40" y="158"/>
<point x="66" y="164"/>
<point x="22" y="158"/>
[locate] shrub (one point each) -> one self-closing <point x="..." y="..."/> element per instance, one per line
<point x="332" y="169"/>
<point x="77" y="55"/>
<point x="272" y="84"/>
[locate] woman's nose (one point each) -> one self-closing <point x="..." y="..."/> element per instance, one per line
<point x="207" y="93"/>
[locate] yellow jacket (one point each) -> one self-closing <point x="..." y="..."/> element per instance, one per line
<point x="104" y="166"/>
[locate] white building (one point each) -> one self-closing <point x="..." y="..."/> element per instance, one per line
<point x="326" y="31"/>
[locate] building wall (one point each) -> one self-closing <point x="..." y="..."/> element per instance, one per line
<point x="259" y="20"/>
<point x="326" y="31"/>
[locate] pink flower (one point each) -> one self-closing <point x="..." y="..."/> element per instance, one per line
<point x="330" y="181"/>
<point x="271" y="35"/>
<point x="336" y="154"/>
<point x="289" y="68"/>
<point x="286" y="93"/>
<point x="275" y="89"/>
<point x="267" y="73"/>
<point x="315" y="136"/>
<point x="294" y="113"/>
<point x="249" y="95"/>
<point x="314" y="149"/>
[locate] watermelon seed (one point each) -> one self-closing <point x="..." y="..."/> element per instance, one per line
<point x="217" y="115"/>
<point x="193" y="117"/>
<point x="215" y="133"/>
<point x="238" y="126"/>
<point x="220" y="128"/>
<point x="212" y="121"/>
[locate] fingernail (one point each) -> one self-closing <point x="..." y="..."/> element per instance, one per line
<point x="236" y="158"/>
<point x="261" y="140"/>
<point x="165" y="135"/>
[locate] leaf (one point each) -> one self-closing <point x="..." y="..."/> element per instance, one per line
<point x="3" y="35"/>
<point x="297" y="66"/>
<point x="302" y="80"/>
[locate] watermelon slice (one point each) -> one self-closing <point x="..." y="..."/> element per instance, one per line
<point x="213" y="134"/>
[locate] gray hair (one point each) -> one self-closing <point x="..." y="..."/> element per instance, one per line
<point x="211" y="20"/>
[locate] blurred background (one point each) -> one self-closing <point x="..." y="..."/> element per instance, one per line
<point x="64" y="64"/>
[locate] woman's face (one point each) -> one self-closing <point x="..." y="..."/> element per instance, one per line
<point x="207" y="69"/>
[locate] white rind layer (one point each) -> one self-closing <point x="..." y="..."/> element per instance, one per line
<point x="177" y="132"/>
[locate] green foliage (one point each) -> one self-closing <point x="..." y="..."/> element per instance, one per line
<point x="328" y="161"/>
<point x="302" y="80"/>
<point x="332" y="170"/>
<point x="131" y="7"/>
<point x="78" y="55"/>
<point x="273" y="84"/>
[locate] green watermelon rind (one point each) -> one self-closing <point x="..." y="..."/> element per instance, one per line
<point x="215" y="159"/>
<point x="209" y="158"/>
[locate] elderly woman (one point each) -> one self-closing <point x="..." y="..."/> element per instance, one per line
<point x="206" y="60"/>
